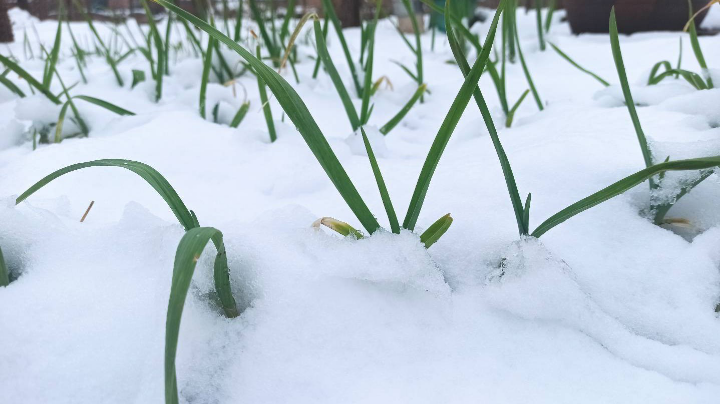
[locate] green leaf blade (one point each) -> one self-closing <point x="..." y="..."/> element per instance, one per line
<point x="448" y="126"/>
<point x="299" y="114"/>
<point x="384" y="194"/>
<point x="149" y="174"/>
<point x="623" y="185"/>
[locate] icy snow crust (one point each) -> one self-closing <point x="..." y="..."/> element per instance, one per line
<point x="606" y="308"/>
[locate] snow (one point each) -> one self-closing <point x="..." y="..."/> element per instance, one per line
<point x="606" y="307"/>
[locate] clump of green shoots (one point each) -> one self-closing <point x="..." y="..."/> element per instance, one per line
<point x="661" y="209"/>
<point x="276" y="39"/>
<point x="358" y="120"/>
<point x="154" y="38"/>
<point x="104" y="50"/>
<point x="50" y="71"/>
<point x="415" y="49"/>
<point x="189" y="249"/>
<point x="522" y="212"/>
<point x="298" y="113"/>
<point x="509" y="50"/>
<point x="695" y="80"/>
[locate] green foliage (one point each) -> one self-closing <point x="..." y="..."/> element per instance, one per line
<point x="188" y="252"/>
<point x="4" y="274"/>
<point x="155" y="35"/>
<point x="392" y="217"/>
<point x="436" y="230"/>
<point x="266" y="104"/>
<point x="582" y="69"/>
<point x="449" y="123"/>
<point x="617" y="55"/>
<point x="298" y="113"/>
<point x="29" y="79"/>
<point x="623" y="185"/>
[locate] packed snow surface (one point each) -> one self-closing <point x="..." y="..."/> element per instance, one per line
<point x="605" y="308"/>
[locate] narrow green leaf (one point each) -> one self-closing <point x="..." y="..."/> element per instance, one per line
<point x="368" y="82"/>
<point x="61" y="122"/>
<point x="149" y="174"/>
<point x="526" y="214"/>
<point x="329" y="10"/>
<point x="511" y="114"/>
<point x="696" y="46"/>
<point x="405" y="69"/>
<point x="215" y="112"/>
<point x="384" y="194"/>
<point x="617" y="55"/>
<point x="457" y="23"/>
<point x="418" y="42"/>
<point x="487" y="117"/>
<point x="680" y="54"/>
<point x="392" y="123"/>
<point x="104" y="104"/>
<point x="207" y="62"/>
<point x="436" y="230"/>
<point x="240" y="115"/>
<point x="499" y="87"/>
<point x="269" y="43"/>
<point x="656" y="68"/>
<point x="623" y="185"/>
<point x="404" y="38"/>
<point x="11" y="86"/>
<point x="693" y="78"/>
<point x="125" y="56"/>
<point x="662" y="209"/>
<point x="105" y="50"/>
<point x="335" y="77"/>
<point x="188" y="252"/>
<point x="4" y="273"/>
<point x="138" y="77"/>
<point x="166" y="48"/>
<point x="238" y="21"/>
<point x="53" y="58"/>
<point x="549" y="17"/>
<point x="29" y="79"/>
<point x="448" y="126"/>
<point x="540" y="30"/>
<point x="289" y="13"/>
<point x="266" y="104"/>
<point x="326" y="24"/>
<point x="297" y="111"/>
<point x="339" y="226"/>
<point x="80" y="122"/>
<point x="534" y="91"/>
<point x="155" y="34"/>
<point x="582" y="69"/>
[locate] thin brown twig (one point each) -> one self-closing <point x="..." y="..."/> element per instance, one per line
<point x="87" y="211"/>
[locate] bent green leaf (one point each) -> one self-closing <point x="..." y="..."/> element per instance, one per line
<point x="188" y="252"/>
<point x="623" y="185"/>
<point x="436" y="230"/>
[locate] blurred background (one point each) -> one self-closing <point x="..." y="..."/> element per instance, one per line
<point x="583" y="15"/>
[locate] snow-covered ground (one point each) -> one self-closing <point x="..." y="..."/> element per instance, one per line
<point x="605" y="308"/>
